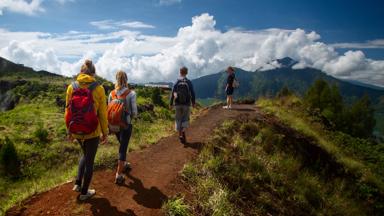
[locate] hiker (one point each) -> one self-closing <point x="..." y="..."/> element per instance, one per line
<point x="230" y="86"/>
<point x="122" y="109"/>
<point x="86" y="119"/>
<point x="183" y="96"/>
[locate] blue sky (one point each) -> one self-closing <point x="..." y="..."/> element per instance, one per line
<point x="346" y="26"/>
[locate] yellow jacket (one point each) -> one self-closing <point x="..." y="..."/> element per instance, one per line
<point x="100" y="104"/>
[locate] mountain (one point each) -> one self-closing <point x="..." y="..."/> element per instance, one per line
<point x="269" y="82"/>
<point x="8" y="68"/>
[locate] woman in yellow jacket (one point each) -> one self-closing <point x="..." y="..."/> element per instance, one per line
<point x="89" y="142"/>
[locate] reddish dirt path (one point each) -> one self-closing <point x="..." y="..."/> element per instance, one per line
<point x="150" y="182"/>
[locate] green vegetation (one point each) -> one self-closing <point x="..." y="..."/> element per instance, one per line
<point x="176" y="207"/>
<point x="357" y="120"/>
<point x="250" y="167"/>
<point x="9" y="161"/>
<point x="37" y="156"/>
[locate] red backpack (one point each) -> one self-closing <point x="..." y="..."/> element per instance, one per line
<point x="81" y="116"/>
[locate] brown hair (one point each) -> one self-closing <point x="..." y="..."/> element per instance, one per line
<point x="230" y="68"/>
<point x="184" y="71"/>
<point x="88" y="67"/>
<point x="121" y="80"/>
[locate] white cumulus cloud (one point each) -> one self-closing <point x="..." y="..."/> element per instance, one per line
<point x="21" y="6"/>
<point x="200" y="46"/>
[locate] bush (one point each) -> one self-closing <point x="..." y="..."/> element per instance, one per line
<point x="9" y="160"/>
<point x="358" y="120"/>
<point x="284" y="92"/>
<point x="41" y="134"/>
<point x="176" y="207"/>
<point x="146" y="116"/>
<point x="156" y="97"/>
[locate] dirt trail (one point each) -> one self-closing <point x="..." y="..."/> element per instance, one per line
<point x="148" y="184"/>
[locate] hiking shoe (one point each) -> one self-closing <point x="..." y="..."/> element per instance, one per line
<point x="127" y="167"/>
<point x="89" y="194"/>
<point x="184" y="138"/>
<point x="76" y="188"/>
<point x="225" y="107"/>
<point x="119" y="180"/>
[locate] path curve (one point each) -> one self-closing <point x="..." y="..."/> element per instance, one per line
<point x="149" y="183"/>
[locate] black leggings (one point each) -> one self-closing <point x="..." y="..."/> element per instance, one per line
<point x="85" y="171"/>
<point x="123" y="137"/>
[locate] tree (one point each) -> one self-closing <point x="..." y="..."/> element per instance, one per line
<point x="361" y="119"/>
<point x="9" y="160"/>
<point x="284" y="92"/>
<point x="327" y="100"/>
<point x="156" y="97"/>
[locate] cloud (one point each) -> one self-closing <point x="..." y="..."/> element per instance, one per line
<point x="169" y="2"/>
<point x="200" y="46"/>
<point x="21" y="6"/>
<point x="113" y="25"/>
<point x="136" y="24"/>
<point x="373" y="44"/>
<point x="62" y="2"/>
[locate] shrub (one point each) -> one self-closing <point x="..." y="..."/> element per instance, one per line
<point x="41" y="134"/>
<point x="156" y="97"/>
<point x="146" y="116"/>
<point x="176" y="207"/>
<point x="284" y="92"/>
<point x="9" y="159"/>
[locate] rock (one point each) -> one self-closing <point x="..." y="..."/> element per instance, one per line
<point x="8" y="101"/>
<point x="145" y="107"/>
<point x="60" y="102"/>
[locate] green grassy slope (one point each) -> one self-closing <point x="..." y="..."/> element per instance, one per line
<point x="285" y="163"/>
<point x="49" y="160"/>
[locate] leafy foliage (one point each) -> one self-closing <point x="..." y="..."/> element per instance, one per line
<point x="41" y="134"/>
<point x="176" y="207"/>
<point x="156" y="97"/>
<point x="9" y="160"/>
<point x="357" y="120"/>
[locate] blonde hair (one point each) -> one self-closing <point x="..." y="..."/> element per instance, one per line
<point x="88" y="67"/>
<point x="121" y="80"/>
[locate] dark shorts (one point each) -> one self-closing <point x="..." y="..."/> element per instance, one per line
<point x="229" y="91"/>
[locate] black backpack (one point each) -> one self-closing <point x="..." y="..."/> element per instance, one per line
<point x="183" y="93"/>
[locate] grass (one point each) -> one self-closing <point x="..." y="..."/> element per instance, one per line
<point x="250" y="167"/>
<point x="176" y="207"/>
<point x="36" y="127"/>
<point x="353" y="153"/>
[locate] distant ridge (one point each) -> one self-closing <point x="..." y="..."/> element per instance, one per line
<point x="8" y="68"/>
<point x="269" y="82"/>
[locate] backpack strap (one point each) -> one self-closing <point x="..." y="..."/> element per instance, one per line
<point x="75" y="85"/>
<point x="93" y="86"/>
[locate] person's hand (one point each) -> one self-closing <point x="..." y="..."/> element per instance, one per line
<point x="104" y="139"/>
<point x="70" y="138"/>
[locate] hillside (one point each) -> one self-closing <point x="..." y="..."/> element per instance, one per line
<point x="252" y="160"/>
<point x="32" y="120"/>
<point x="269" y="82"/>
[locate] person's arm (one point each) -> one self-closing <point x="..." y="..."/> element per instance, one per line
<point x="172" y="97"/>
<point x="67" y="98"/>
<point x="192" y="93"/>
<point x="132" y="101"/>
<point x="102" y="111"/>
<point x="109" y="97"/>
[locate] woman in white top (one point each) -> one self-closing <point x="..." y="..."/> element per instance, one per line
<point x="123" y="136"/>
